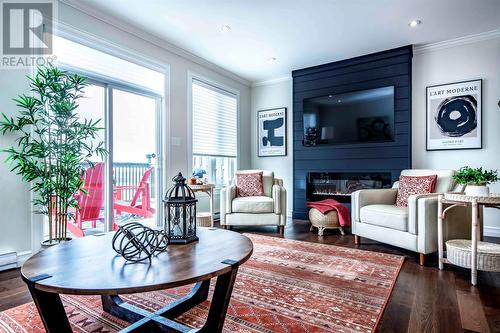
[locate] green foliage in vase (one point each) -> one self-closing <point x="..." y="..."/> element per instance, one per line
<point x="475" y="176"/>
<point x="52" y="144"/>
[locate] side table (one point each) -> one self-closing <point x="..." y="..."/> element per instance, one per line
<point x="209" y="190"/>
<point x="465" y="253"/>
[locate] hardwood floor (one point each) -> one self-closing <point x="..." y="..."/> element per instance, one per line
<point x="423" y="300"/>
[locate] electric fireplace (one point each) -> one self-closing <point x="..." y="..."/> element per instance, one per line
<point x="340" y="185"/>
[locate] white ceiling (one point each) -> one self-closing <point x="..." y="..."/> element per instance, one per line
<point x="299" y="33"/>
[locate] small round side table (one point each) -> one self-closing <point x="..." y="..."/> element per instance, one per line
<point x="467" y="253"/>
<point x="209" y="190"/>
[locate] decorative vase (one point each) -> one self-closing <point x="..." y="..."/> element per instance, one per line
<point x="477" y="190"/>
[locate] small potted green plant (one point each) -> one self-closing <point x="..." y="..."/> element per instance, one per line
<point x="476" y="180"/>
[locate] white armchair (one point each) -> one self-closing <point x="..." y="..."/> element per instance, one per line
<point x="268" y="209"/>
<point x="376" y="216"/>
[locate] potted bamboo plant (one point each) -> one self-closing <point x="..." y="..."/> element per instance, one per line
<point x="53" y="144"/>
<point x="476" y="180"/>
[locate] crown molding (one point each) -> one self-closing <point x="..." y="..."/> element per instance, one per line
<point x="272" y="81"/>
<point x="417" y="49"/>
<point x="153" y="39"/>
<point x="93" y="41"/>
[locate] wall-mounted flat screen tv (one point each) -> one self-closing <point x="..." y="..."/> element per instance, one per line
<point x="364" y="116"/>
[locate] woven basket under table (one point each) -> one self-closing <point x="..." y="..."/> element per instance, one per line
<point x="204" y="220"/>
<point x="458" y="252"/>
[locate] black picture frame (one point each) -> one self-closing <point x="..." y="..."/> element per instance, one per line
<point x="263" y="139"/>
<point x="447" y="93"/>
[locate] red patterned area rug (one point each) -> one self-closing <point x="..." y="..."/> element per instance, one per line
<point x="286" y="286"/>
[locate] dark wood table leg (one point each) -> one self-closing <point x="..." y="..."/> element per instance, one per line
<point x="49" y="307"/>
<point x="114" y="305"/>
<point x="160" y="321"/>
<point x="197" y="295"/>
<point x="220" y="300"/>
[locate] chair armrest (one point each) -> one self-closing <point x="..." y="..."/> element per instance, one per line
<point x="422" y="221"/>
<point x="362" y="198"/>
<point x="414" y="212"/>
<point x="279" y="200"/>
<point x="227" y="195"/>
<point x="277" y="192"/>
<point x="125" y="187"/>
<point x="457" y="222"/>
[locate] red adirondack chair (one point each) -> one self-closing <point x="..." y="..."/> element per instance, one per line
<point x="142" y="192"/>
<point x="91" y="203"/>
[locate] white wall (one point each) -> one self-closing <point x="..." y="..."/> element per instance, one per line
<point x="477" y="60"/>
<point x="15" y="207"/>
<point x="267" y="96"/>
<point x="15" y="215"/>
<point x="431" y="65"/>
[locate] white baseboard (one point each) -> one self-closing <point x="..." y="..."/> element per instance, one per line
<point x="491" y="231"/>
<point x="22" y="257"/>
<point x="8" y="260"/>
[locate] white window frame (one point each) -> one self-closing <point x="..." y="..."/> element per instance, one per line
<point x="190" y="78"/>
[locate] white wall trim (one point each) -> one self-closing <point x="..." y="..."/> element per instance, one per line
<point x="22" y="257"/>
<point x="272" y="81"/>
<point x="492" y="231"/>
<point x="98" y="43"/>
<point x="155" y="40"/>
<point x="417" y="49"/>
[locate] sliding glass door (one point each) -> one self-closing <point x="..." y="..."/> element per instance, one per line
<point x="136" y="150"/>
<point x="126" y="186"/>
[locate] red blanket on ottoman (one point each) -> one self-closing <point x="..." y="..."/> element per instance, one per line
<point x="328" y="205"/>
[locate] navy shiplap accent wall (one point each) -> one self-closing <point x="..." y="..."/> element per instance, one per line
<point x="388" y="68"/>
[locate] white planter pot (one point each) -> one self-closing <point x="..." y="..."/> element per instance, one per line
<point x="477" y="190"/>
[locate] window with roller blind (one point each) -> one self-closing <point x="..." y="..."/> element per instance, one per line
<point x="214" y="124"/>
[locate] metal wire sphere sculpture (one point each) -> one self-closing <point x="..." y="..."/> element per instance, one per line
<point x="137" y="243"/>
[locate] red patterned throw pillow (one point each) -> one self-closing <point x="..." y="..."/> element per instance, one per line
<point x="249" y="184"/>
<point x="411" y="185"/>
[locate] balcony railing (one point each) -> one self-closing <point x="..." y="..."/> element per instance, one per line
<point x="130" y="174"/>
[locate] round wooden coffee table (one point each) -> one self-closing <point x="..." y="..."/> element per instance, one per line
<point x="89" y="266"/>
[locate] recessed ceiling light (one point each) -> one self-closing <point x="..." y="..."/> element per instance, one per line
<point x="226" y="28"/>
<point x="330" y="96"/>
<point x="339" y="101"/>
<point x="272" y="59"/>
<point x="414" y="23"/>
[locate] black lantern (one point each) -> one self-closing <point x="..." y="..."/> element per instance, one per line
<point x="180" y="212"/>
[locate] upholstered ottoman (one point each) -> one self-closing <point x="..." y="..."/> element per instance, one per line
<point x="322" y="221"/>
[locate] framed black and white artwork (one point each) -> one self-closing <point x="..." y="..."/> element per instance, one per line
<point x="454" y="116"/>
<point x="271" y="134"/>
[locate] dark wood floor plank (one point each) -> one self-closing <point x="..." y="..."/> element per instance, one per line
<point x="446" y="303"/>
<point x="472" y="312"/>
<point x="398" y="311"/>
<point x="422" y="318"/>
